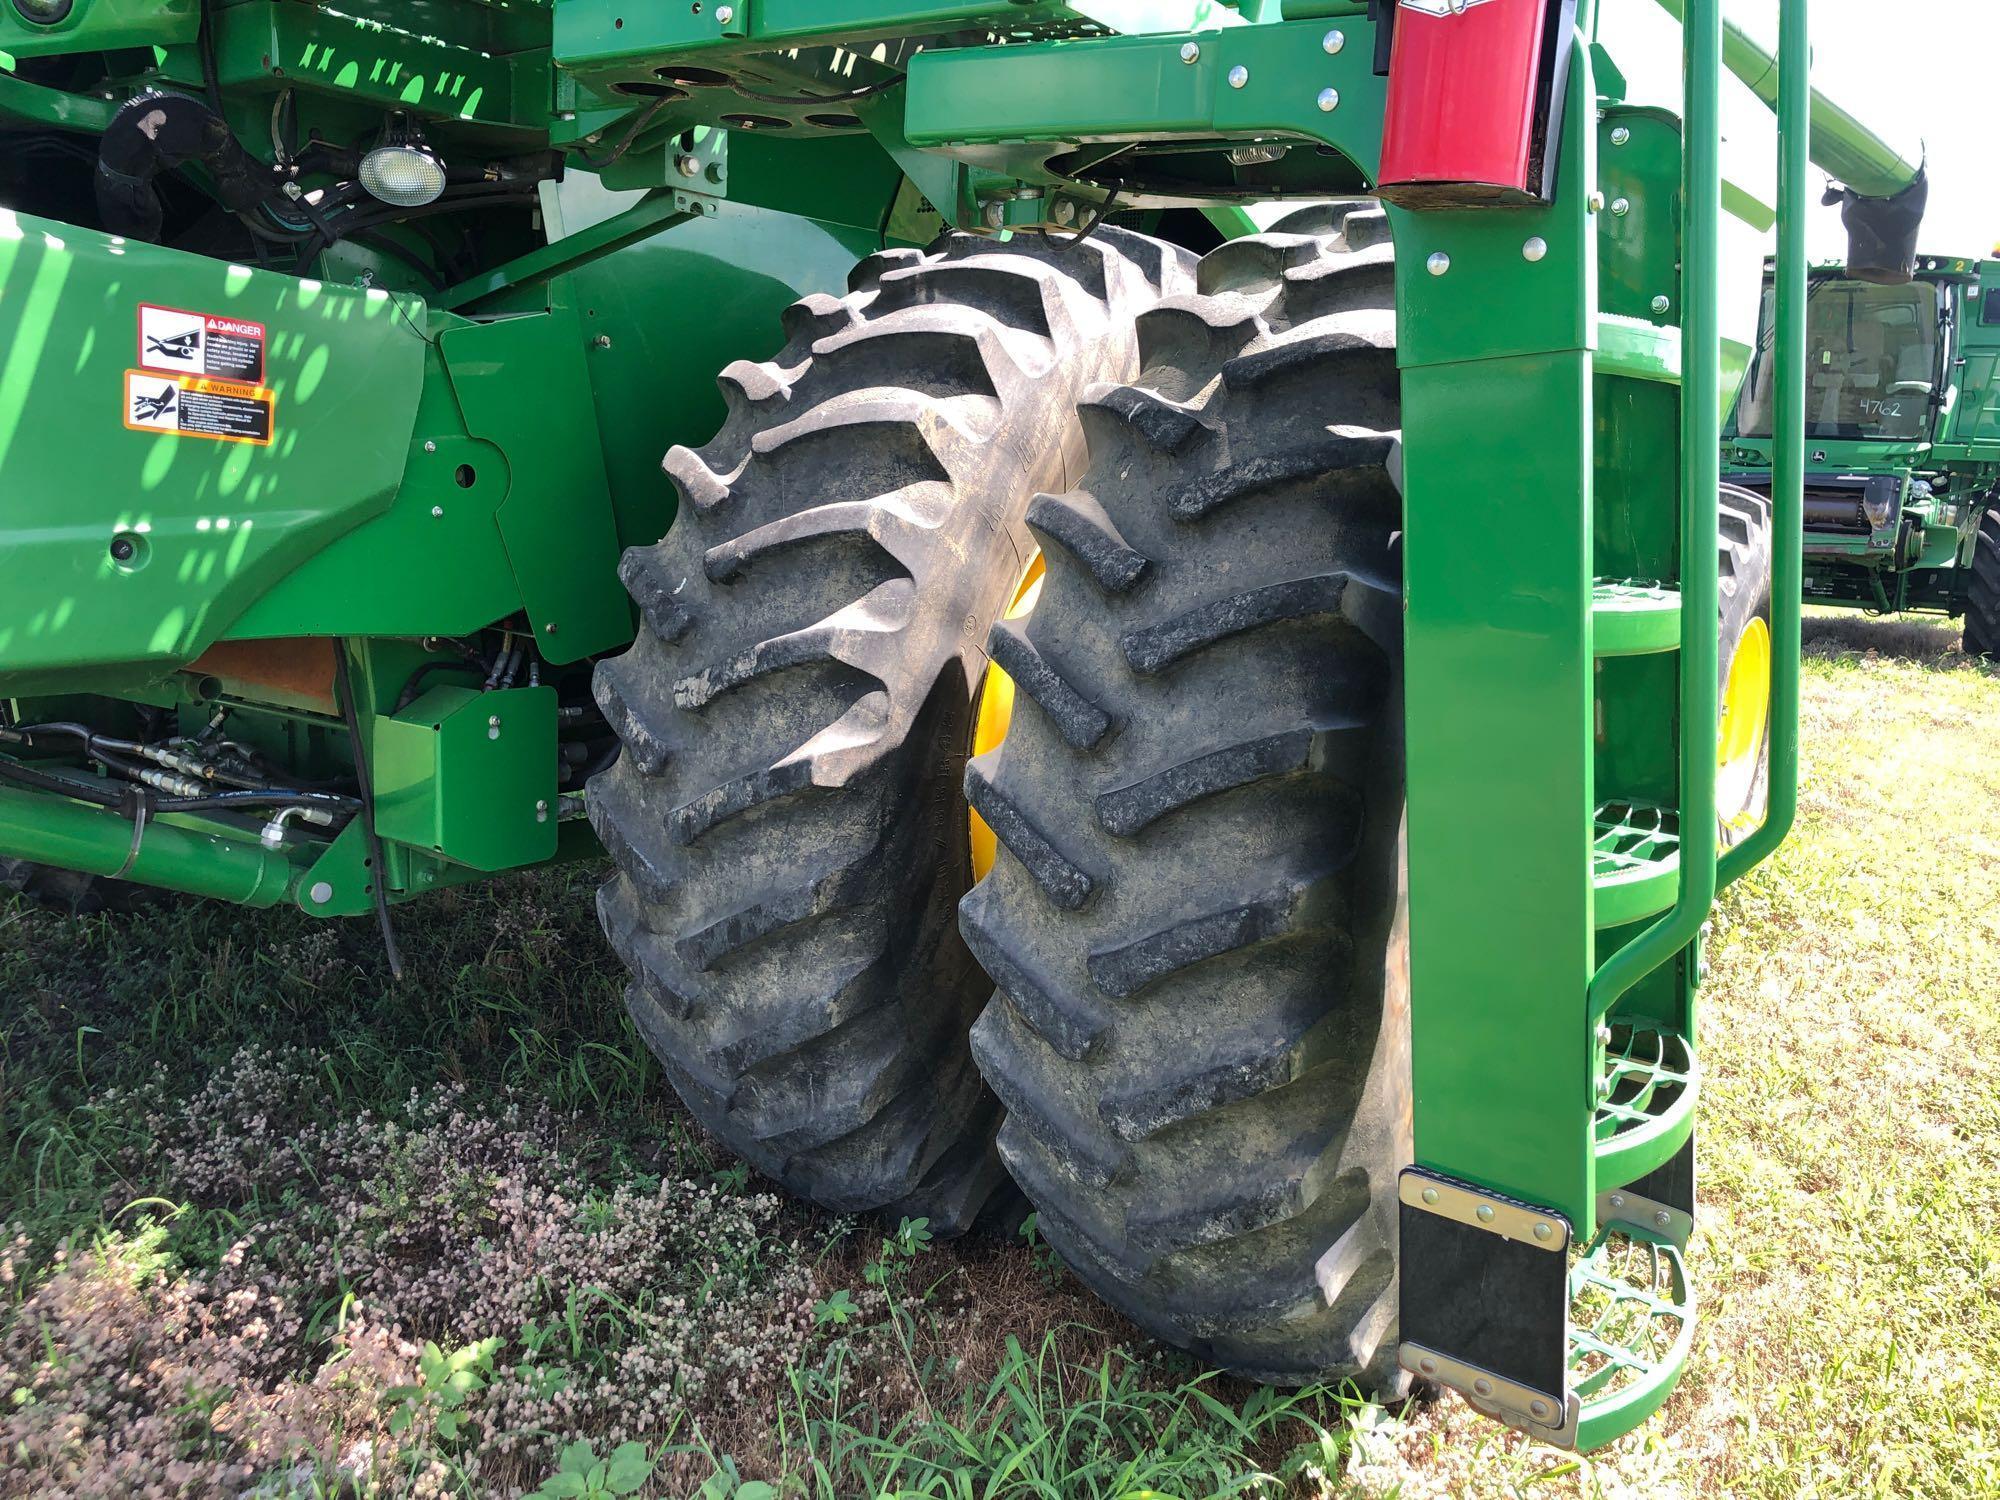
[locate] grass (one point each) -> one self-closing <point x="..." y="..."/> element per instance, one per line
<point x="246" y="1181"/>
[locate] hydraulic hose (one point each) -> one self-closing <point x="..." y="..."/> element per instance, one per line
<point x="156" y="132"/>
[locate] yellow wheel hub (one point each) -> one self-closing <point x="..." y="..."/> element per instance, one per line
<point x="1746" y="720"/>
<point x="995" y="711"/>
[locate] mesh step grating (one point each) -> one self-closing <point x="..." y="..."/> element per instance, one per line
<point x="1631" y="1328"/>
<point x="1645" y="1102"/>
<point x="1635" y="861"/>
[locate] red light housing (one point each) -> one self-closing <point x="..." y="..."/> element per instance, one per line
<point x="1475" y="101"/>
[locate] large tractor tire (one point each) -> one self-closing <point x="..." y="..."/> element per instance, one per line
<point x="1982" y="607"/>
<point x="1200" y="1031"/>
<point x="1743" y="754"/>
<point x="786" y="817"/>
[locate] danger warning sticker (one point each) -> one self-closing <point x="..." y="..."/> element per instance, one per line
<point x="192" y="407"/>
<point x="189" y="343"/>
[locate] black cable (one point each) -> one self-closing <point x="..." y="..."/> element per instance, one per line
<point x="414" y="684"/>
<point x="380" y="885"/>
<point x="205" y="44"/>
<point x="646" y="117"/>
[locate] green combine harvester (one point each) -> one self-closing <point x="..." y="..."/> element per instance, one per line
<point x="1902" y="499"/>
<point x="1198" y="657"/>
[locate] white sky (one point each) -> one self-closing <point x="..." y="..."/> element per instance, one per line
<point x="1921" y="72"/>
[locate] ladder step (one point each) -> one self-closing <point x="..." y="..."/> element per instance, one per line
<point x="1645" y="1102"/>
<point x="1635" y="861"/>
<point x="1637" y="350"/>
<point x="1630" y="1332"/>
<point x="1634" y="618"/>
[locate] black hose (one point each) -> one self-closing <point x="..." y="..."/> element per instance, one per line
<point x="380" y="885"/>
<point x="155" y="132"/>
<point x="412" y="688"/>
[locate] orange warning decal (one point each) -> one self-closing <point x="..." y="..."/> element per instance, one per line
<point x="189" y="406"/>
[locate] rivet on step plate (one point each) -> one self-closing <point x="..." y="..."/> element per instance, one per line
<point x="1543" y="1231"/>
<point x="1190" y="52"/>
<point x="1333" y="41"/>
<point x="1438" y="264"/>
<point x="1539" y="1408"/>
<point x="1238" y="76"/>
<point x="1486" y="1213"/>
<point x="1428" y="1366"/>
<point x="1483" y="1386"/>
<point x="1329" y="100"/>
<point x="1430" y="1195"/>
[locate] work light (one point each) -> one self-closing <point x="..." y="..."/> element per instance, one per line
<point x="44" y="12"/>
<point x="402" y="169"/>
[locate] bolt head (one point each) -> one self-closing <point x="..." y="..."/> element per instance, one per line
<point x="1617" y="1200"/>
<point x="321" y="893"/>
<point x="1604" y="1035"/>
<point x="1190" y="52"/>
<point x="724" y="14"/>
<point x="1621" y="206"/>
<point x="1620" y="135"/>
<point x="1430" y="1195"/>
<point x="1662" y="302"/>
<point x="1238" y="76"/>
<point x="687" y="166"/>
<point x="1333" y="41"/>
<point x="995" y="215"/>
<point x="1485" y="1213"/>
<point x="430" y="446"/>
<point x="1438" y="264"/>
<point x="603" y="341"/>
<point x="493" y="722"/>
<point x="437" y="512"/>
<point x="1329" y="100"/>
<point x="1535" y="248"/>
<point x="1065" y="212"/>
<point x="1544" y="1232"/>
<point x="1662" y="1219"/>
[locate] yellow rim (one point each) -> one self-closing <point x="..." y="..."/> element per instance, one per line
<point x="995" y="712"/>
<point x="1746" y="720"/>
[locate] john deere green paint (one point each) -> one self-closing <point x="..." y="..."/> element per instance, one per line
<point x="1101" y="388"/>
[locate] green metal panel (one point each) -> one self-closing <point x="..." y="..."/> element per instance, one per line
<point x="522" y="385"/>
<point x="1497" y="396"/>
<point x="101" y="26"/>
<point x="470" y="775"/>
<point x="266" y="45"/>
<point x="213" y="525"/>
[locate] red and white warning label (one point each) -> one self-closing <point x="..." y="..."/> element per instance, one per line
<point x="189" y="406"/>
<point x="190" y="343"/>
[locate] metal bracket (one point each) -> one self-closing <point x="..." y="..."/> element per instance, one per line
<point x="1517" y="1405"/>
<point x="1623" y="1206"/>
<point x="1488" y="1211"/>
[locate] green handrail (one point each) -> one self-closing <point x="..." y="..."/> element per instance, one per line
<point x="1701" y="483"/>
<point x="1788" y="456"/>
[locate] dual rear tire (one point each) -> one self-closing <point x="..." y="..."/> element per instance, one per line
<point x="1192" y="1050"/>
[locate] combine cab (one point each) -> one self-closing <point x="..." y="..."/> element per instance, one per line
<point x="1902" y="500"/>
